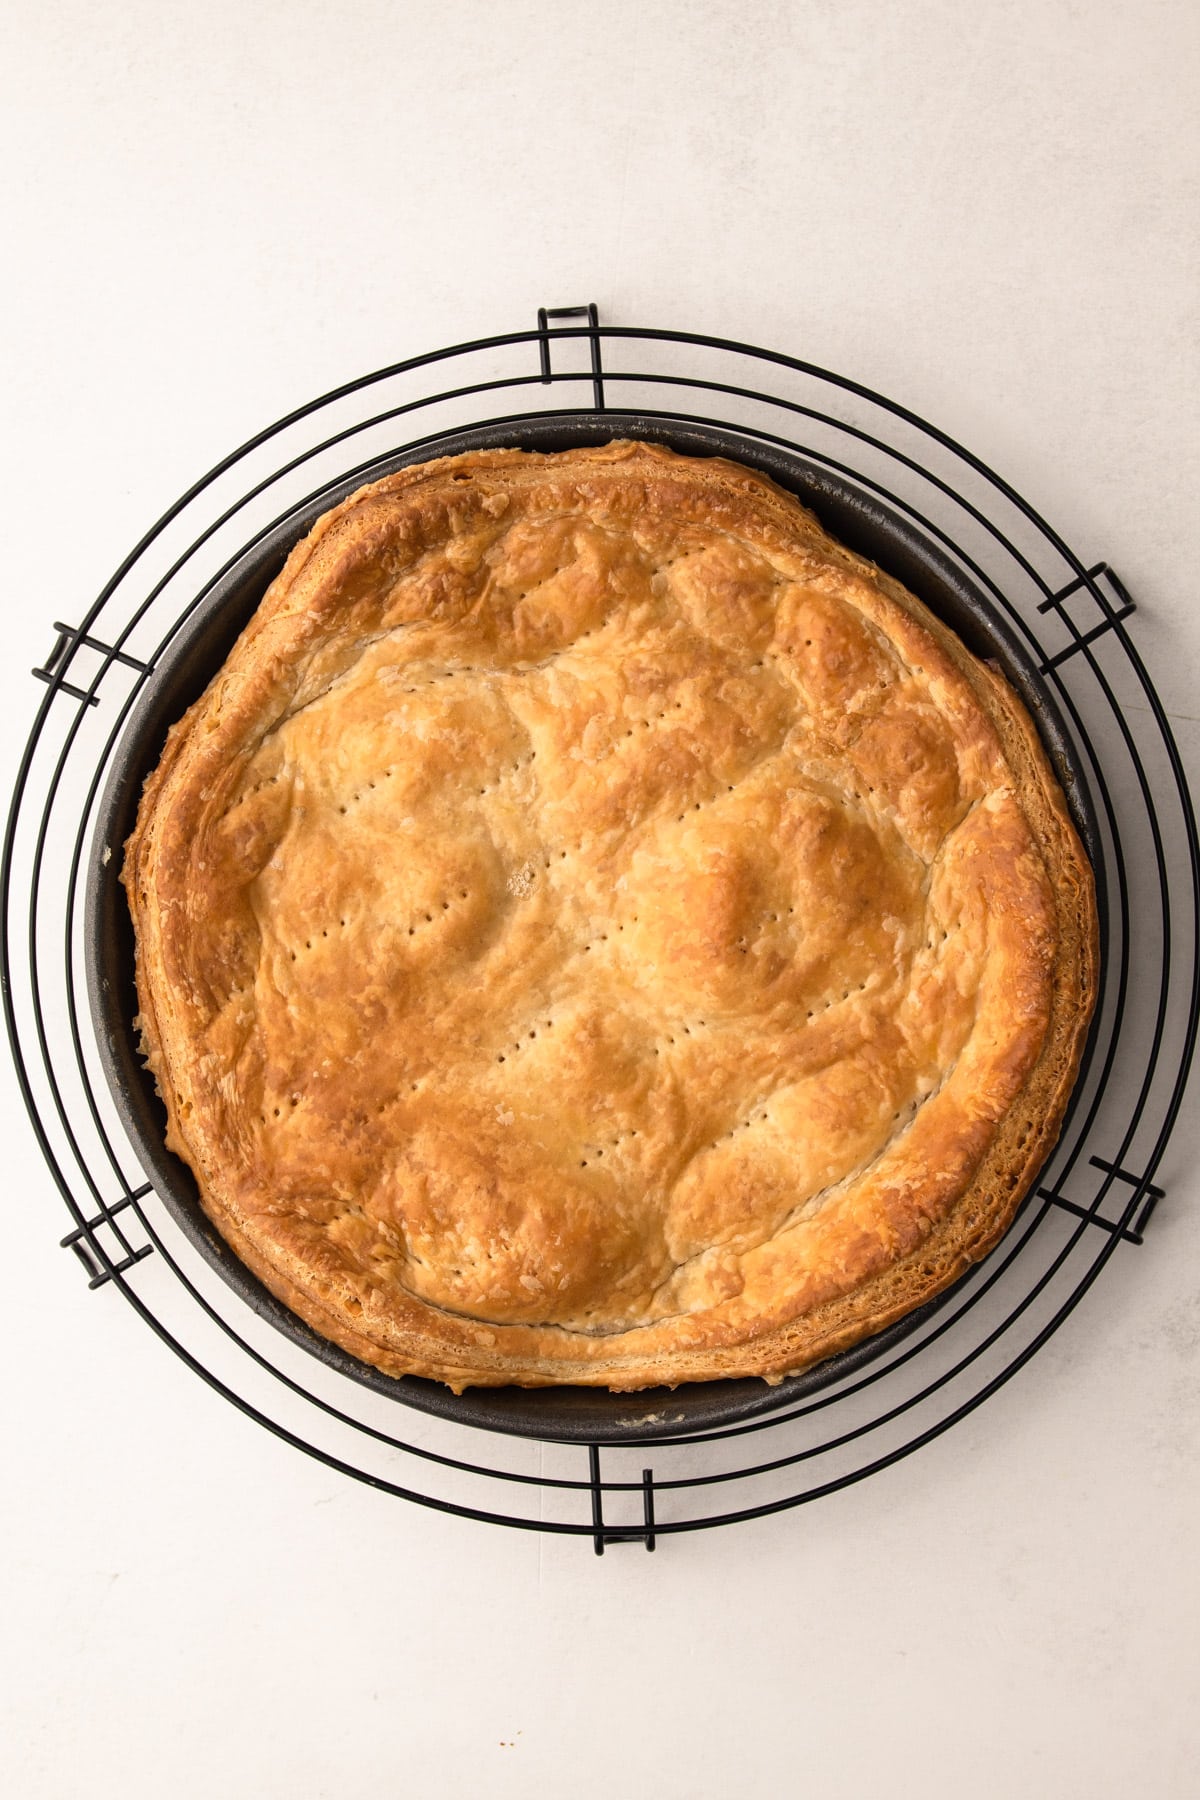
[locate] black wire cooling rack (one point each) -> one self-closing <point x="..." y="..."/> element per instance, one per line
<point x="1097" y="1193"/>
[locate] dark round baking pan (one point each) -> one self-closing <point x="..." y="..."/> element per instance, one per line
<point x="566" y="1414"/>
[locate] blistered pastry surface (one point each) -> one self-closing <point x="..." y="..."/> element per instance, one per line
<point x="595" y="929"/>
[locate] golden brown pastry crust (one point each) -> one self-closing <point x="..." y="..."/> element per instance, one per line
<point x="597" y="929"/>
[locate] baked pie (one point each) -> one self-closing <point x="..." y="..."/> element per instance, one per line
<point x="596" y="929"/>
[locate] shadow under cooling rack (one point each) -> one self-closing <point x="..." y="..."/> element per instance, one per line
<point x="1060" y="626"/>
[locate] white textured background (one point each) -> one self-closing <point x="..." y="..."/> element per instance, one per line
<point x="210" y="214"/>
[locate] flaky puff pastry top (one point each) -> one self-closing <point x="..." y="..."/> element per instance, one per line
<point x="596" y="929"/>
